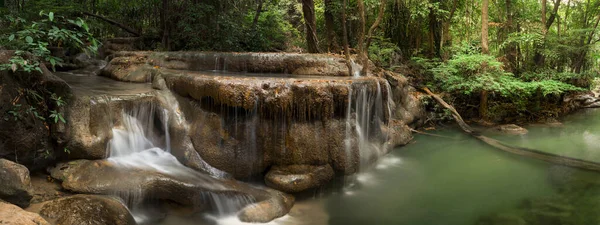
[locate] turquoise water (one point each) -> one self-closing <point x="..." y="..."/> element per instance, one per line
<point x="457" y="180"/>
<point x="440" y="181"/>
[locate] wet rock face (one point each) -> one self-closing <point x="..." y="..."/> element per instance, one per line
<point x="408" y="108"/>
<point x="88" y="210"/>
<point x="15" y="184"/>
<point x="297" y="178"/>
<point x="242" y="124"/>
<point x="13" y="215"/>
<point x="277" y="63"/>
<point x="91" y="119"/>
<point x="188" y="188"/>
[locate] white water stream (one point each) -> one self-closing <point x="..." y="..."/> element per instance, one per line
<point x="135" y="144"/>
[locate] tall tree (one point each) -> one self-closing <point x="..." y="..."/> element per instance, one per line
<point x="546" y="24"/>
<point x="308" y="9"/>
<point x="446" y="37"/>
<point x="332" y="43"/>
<point x="345" y="38"/>
<point x="375" y="25"/>
<point x="511" y="51"/>
<point x="484" y="27"/>
<point x="544" y="29"/>
<point x="483" y="103"/>
<point x="164" y="17"/>
<point x="435" y="32"/>
<point x="362" y="52"/>
<point x="259" y="10"/>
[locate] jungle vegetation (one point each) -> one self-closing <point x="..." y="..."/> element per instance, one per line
<point x="494" y="59"/>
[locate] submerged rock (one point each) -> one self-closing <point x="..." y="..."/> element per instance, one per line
<point x="297" y="178"/>
<point x="182" y="185"/>
<point x="13" y="215"/>
<point x="88" y="210"/>
<point x="15" y="184"/>
<point x="511" y="129"/>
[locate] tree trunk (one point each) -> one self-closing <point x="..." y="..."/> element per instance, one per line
<point x="308" y="9"/>
<point x="511" y="50"/>
<point x="332" y="44"/>
<point x="539" y="58"/>
<point x="581" y="59"/>
<point x="371" y="30"/>
<point x="345" y="38"/>
<point x="257" y="15"/>
<point x="362" y="52"/>
<point x="483" y="105"/>
<point x="446" y="37"/>
<point x="165" y="24"/>
<point x="435" y="33"/>
<point x="544" y="29"/>
<point x="485" y="49"/>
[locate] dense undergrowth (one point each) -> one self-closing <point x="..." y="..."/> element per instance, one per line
<point x="525" y="97"/>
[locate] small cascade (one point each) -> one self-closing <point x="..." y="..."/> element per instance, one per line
<point x="367" y="117"/>
<point x="142" y="142"/>
<point x="356" y="68"/>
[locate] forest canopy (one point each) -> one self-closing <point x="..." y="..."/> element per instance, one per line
<point x="515" y="52"/>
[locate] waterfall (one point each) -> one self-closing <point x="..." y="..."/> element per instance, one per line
<point x="366" y="121"/>
<point x="143" y="142"/>
<point x="356" y="68"/>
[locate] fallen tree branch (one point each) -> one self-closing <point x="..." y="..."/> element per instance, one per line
<point x="115" y="23"/>
<point x="532" y="153"/>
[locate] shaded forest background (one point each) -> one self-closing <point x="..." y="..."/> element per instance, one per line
<point x="498" y="59"/>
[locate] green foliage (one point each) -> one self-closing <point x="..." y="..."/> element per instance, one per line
<point x="468" y="73"/>
<point x="36" y="37"/>
<point x="56" y="116"/>
<point x="383" y="53"/>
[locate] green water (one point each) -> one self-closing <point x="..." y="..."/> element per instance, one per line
<point x="458" y="181"/>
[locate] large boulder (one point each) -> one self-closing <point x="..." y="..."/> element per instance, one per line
<point x="15" y="184"/>
<point x="13" y="215"/>
<point x="297" y="178"/>
<point x="88" y="210"/>
<point x="180" y="184"/>
<point x="265" y="211"/>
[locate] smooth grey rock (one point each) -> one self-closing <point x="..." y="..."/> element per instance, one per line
<point x="15" y="183"/>
<point x="297" y="178"/>
<point x="87" y="210"/>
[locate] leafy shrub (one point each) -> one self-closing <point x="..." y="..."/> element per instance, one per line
<point x="469" y="73"/>
<point x="36" y="37"/>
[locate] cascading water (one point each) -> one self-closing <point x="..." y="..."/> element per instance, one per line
<point x="366" y="116"/>
<point x="367" y="127"/>
<point x="143" y="142"/>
